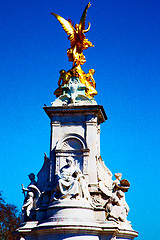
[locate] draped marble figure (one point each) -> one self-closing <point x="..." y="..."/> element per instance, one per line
<point x="31" y="194"/>
<point x="70" y="183"/>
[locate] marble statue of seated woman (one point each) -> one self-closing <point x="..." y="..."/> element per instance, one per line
<point x="70" y="183"/>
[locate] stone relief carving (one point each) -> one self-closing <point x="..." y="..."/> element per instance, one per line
<point x="117" y="208"/>
<point x="97" y="200"/>
<point x="104" y="177"/>
<point x="70" y="183"/>
<point x="111" y="194"/>
<point x="72" y="145"/>
<point x="31" y="194"/>
<point x="102" y="191"/>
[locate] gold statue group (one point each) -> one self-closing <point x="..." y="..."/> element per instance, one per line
<point x="76" y="35"/>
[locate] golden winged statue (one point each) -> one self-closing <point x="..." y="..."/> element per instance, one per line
<point x="79" y="42"/>
<point x="77" y="37"/>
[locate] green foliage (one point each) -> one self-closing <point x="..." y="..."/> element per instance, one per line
<point x="9" y="219"/>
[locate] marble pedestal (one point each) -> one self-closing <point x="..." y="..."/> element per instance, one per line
<point x="75" y="131"/>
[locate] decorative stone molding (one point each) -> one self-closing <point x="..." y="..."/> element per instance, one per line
<point x="72" y="145"/>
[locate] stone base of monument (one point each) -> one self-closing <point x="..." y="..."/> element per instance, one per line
<point x="59" y="231"/>
<point x="74" y="212"/>
<point x="73" y="220"/>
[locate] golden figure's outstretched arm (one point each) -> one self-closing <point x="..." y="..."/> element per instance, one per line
<point x="67" y="26"/>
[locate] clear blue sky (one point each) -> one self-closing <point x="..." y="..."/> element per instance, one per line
<point x="126" y="57"/>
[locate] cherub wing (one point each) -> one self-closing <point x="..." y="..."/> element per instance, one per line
<point x="83" y="18"/>
<point x="67" y="26"/>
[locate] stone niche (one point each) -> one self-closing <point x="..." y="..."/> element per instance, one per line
<point x="72" y="145"/>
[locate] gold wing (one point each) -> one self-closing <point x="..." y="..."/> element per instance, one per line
<point x="67" y="26"/>
<point x="83" y="18"/>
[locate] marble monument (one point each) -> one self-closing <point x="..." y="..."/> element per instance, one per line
<point x="74" y="196"/>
